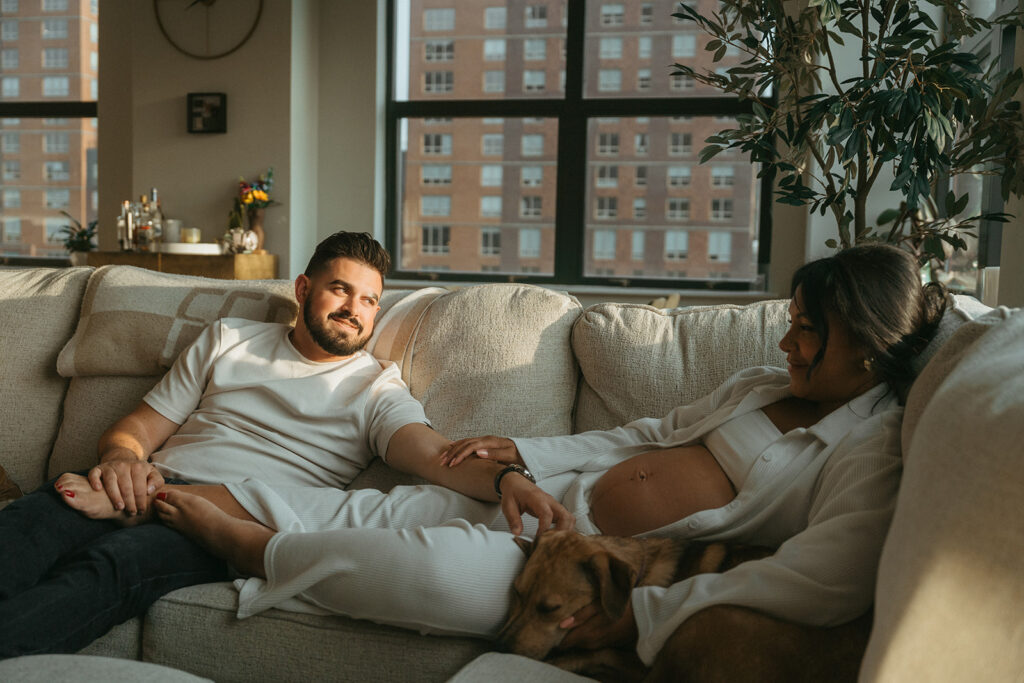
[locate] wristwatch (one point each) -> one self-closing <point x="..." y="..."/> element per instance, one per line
<point x="518" y="469"/>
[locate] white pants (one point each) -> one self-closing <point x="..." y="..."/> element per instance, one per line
<point x="420" y="557"/>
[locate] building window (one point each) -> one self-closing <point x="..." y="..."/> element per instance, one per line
<point x="606" y="208"/>
<point x="490" y="242"/>
<point x="439" y="50"/>
<point x="55" y="86"/>
<point x="721" y="209"/>
<point x="494" y="81"/>
<point x="10" y="143"/>
<point x="436" y="205"/>
<point x="640" y="208"/>
<point x="647" y="14"/>
<point x="533" y="81"/>
<point x="436" y="239"/>
<point x="494" y="18"/>
<point x="9" y="58"/>
<point x="722" y="176"/>
<point x="720" y="246"/>
<point x="55" y="5"/>
<point x="643" y="47"/>
<point x="12" y="199"/>
<point x="530" y="207"/>
<point x="436" y="174"/>
<point x="611" y="48"/>
<point x="604" y="245"/>
<point x="10" y="86"/>
<point x="676" y="242"/>
<point x="490" y="206"/>
<point x="609" y="80"/>
<point x="55" y="143"/>
<point x="437" y="143"/>
<point x="438" y="81"/>
<point x="680" y="144"/>
<point x="52" y="228"/>
<point x="640" y="178"/>
<point x="55" y="29"/>
<point x="58" y="199"/>
<point x="679" y="82"/>
<point x="55" y="58"/>
<point x="533" y="145"/>
<point x="535" y="49"/>
<point x="9" y="29"/>
<point x="607" y="176"/>
<point x="12" y="169"/>
<point x="492" y="144"/>
<point x="678" y="176"/>
<point x="490" y="175"/>
<point x="677" y="209"/>
<point x="531" y="176"/>
<point x="612" y="15"/>
<point x="529" y="243"/>
<point x="9" y="6"/>
<point x="684" y="45"/>
<point x="607" y="144"/>
<point x="439" y="20"/>
<point x="637" y="245"/>
<point x="536" y="16"/>
<point x="494" y="49"/>
<point x="643" y="79"/>
<point x="12" y="230"/>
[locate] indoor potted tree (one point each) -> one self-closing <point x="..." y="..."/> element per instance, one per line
<point x="915" y="109"/>
<point x="78" y="240"/>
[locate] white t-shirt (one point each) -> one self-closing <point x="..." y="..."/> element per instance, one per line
<point x="250" y="405"/>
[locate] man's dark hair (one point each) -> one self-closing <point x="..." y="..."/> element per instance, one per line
<point x="358" y="246"/>
<point x="875" y="289"/>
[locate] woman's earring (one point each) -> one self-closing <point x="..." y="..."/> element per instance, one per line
<point x="869" y="364"/>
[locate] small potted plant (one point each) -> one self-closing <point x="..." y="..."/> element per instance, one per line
<point x="78" y="240"/>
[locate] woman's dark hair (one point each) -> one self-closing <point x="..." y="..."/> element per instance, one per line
<point x="875" y="289"/>
<point x="358" y="246"/>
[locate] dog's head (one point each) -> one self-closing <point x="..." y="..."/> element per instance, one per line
<point x="564" y="572"/>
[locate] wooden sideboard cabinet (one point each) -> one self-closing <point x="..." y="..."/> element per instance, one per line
<point x="221" y="266"/>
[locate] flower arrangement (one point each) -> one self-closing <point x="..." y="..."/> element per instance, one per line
<point x="256" y="194"/>
<point x="77" y="238"/>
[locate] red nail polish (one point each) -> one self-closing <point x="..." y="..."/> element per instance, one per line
<point x="161" y="496"/>
<point x="69" y="494"/>
<point x="59" y="487"/>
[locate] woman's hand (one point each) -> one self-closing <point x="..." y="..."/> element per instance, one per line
<point x="496" y="448"/>
<point x="519" y="495"/>
<point x="592" y="629"/>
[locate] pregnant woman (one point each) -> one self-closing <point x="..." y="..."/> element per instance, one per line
<point x="804" y="459"/>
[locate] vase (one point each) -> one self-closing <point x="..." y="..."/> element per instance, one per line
<point x="256" y="225"/>
<point x="79" y="258"/>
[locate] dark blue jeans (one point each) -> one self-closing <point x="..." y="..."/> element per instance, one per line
<point x="65" y="580"/>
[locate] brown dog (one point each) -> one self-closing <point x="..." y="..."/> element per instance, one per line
<point x="566" y="571"/>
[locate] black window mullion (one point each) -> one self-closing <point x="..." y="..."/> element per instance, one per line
<point x="570" y="193"/>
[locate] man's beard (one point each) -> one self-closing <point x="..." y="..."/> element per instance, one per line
<point x="332" y="341"/>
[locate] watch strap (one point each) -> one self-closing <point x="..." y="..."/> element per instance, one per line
<point x="518" y="469"/>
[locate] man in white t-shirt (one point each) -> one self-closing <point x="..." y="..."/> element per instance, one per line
<point x="303" y="405"/>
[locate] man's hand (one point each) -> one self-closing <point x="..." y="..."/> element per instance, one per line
<point x="128" y="482"/>
<point x="496" y="448"/>
<point x="519" y="495"/>
<point x="592" y="629"/>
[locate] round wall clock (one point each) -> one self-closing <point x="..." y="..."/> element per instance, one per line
<point x="207" y="29"/>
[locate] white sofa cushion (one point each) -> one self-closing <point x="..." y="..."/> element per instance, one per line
<point x="40" y="309"/>
<point x="639" y="361"/>
<point x="950" y="598"/>
<point x="136" y="322"/>
<point x="490" y="359"/>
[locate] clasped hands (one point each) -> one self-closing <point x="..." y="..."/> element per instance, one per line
<point x="127" y="481"/>
<point x="518" y="494"/>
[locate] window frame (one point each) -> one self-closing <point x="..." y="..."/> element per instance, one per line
<point x="574" y="112"/>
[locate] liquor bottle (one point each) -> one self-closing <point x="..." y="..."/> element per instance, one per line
<point x="143" y="227"/>
<point x="156" y="216"/>
<point x="126" y="227"/>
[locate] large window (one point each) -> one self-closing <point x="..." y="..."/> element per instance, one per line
<point x="48" y="126"/>
<point x="561" y="133"/>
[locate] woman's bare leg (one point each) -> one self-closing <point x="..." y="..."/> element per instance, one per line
<point x="238" y="540"/>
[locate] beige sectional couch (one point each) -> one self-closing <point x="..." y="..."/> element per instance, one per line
<point x="79" y="347"/>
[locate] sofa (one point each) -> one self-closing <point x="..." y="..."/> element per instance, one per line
<point x="81" y="346"/>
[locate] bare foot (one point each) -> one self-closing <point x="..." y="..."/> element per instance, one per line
<point x="240" y="542"/>
<point x="79" y="495"/>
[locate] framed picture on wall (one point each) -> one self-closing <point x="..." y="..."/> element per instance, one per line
<point x="207" y="112"/>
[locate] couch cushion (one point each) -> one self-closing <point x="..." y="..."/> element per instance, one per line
<point x="196" y="629"/>
<point x="639" y="361"/>
<point x="486" y="359"/>
<point x="950" y="597"/>
<point x="59" y="668"/>
<point x="39" y="310"/>
<point x="136" y="322"/>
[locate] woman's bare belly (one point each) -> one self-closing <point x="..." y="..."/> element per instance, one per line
<point x="657" y="488"/>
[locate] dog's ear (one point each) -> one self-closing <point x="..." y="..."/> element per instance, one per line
<point x="525" y="544"/>
<point x="613" y="578"/>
